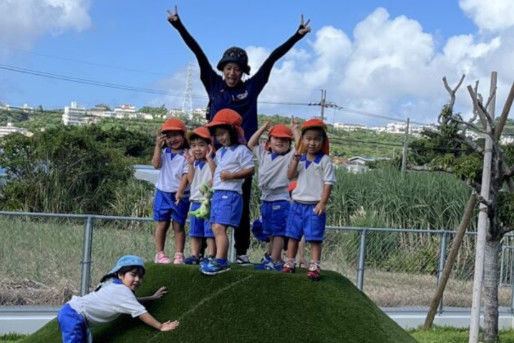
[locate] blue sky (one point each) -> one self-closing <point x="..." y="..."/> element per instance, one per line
<point x="379" y="57"/>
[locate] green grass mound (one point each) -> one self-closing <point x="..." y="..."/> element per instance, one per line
<point x="244" y="305"/>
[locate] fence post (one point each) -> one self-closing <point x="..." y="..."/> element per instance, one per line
<point x="511" y="258"/>
<point x="442" y="258"/>
<point x="362" y="256"/>
<point x="85" y="279"/>
<point x="502" y="256"/>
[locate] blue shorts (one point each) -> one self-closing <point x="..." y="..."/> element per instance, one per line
<point x="303" y="221"/>
<point x="274" y="217"/>
<point x="199" y="227"/>
<point x="165" y="209"/>
<point x="73" y="326"/>
<point x="226" y="208"/>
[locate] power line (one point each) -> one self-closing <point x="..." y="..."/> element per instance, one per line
<point x="126" y="87"/>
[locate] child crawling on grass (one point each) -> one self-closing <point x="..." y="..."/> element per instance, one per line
<point x="114" y="296"/>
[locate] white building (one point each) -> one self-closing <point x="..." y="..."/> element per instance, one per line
<point x="349" y="127"/>
<point x="75" y="115"/>
<point x="125" y="112"/>
<point x="6" y="130"/>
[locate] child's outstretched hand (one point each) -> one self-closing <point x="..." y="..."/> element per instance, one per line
<point x="159" y="293"/>
<point x="169" y="325"/>
<point x="266" y="126"/>
<point x="319" y="209"/>
<point x="304" y="27"/>
<point x="172" y="17"/>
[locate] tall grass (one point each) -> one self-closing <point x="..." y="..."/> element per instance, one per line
<point x="385" y="198"/>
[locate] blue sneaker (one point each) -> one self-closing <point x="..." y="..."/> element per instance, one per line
<point x="264" y="262"/>
<point x="192" y="260"/>
<point x="204" y="261"/>
<point x="277" y="266"/>
<point x="215" y="266"/>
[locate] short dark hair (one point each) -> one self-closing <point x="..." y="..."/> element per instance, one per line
<point x="194" y="137"/>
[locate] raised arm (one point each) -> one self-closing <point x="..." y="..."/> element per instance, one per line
<point x="262" y="75"/>
<point x="254" y="140"/>
<point x="206" y="71"/>
<point x="156" y="158"/>
<point x="294" y="128"/>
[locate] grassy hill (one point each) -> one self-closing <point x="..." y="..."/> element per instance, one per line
<point x="244" y="305"/>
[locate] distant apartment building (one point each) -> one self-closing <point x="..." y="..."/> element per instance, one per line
<point x="9" y="128"/>
<point x="75" y="115"/>
<point x="349" y="127"/>
<point x="125" y="112"/>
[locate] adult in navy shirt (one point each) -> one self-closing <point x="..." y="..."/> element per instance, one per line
<point x="230" y="91"/>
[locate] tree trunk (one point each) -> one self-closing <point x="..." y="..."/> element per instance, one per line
<point x="491" y="282"/>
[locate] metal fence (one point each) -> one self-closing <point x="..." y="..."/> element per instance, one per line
<point x="394" y="267"/>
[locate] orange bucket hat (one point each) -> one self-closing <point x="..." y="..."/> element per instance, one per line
<point x="278" y="131"/>
<point x="315" y="123"/>
<point x="201" y="131"/>
<point x="281" y="131"/>
<point x="174" y="124"/>
<point x="229" y="117"/>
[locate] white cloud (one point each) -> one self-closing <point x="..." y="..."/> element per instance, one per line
<point x="490" y="15"/>
<point x="23" y="22"/>
<point x="390" y="66"/>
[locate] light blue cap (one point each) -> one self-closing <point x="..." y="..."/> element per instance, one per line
<point x="127" y="260"/>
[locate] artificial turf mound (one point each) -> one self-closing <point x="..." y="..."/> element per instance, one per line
<point x="244" y="305"/>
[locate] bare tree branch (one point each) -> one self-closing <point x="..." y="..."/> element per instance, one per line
<point x="480" y="109"/>
<point x="427" y="168"/>
<point x="469" y="142"/>
<point x="452" y="91"/>
<point x="505" y="114"/>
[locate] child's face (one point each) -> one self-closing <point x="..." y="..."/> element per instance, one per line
<point x="312" y="140"/>
<point x="222" y="136"/>
<point x="232" y="74"/>
<point x="280" y="145"/>
<point x="174" y="139"/>
<point x="131" y="279"/>
<point x="199" y="148"/>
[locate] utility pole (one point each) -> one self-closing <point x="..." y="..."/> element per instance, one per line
<point x="187" y="104"/>
<point x="322" y="103"/>
<point x="405" y="146"/>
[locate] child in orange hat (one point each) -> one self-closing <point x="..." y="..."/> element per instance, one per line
<point x="313" y="168"/>
<point x="172" y="196"/>
<point x="273" y="158"/>
<point x="234" y="163"/>
<point x="201" y="169"/>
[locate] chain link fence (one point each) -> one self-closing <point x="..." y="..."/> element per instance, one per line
<point x="45" y="258"/>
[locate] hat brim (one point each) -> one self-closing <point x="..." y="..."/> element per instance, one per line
<point x="221" y="64"/>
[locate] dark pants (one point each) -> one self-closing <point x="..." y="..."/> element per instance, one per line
<point x="242" y="233"/>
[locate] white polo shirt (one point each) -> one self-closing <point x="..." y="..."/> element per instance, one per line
<point x="107" y="303"/>
<point x="312" y="176"/>
<point x="202" y="176"/>
<point x="273" y="179"/>
<point x="232" y="159"/>
<point x="173" y="167"/>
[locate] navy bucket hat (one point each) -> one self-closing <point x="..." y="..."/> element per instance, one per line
<point x="237" y="56"/>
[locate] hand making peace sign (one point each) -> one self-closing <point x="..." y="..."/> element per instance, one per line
<point x="304" y="26"/>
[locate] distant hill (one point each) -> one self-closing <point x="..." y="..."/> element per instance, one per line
<point x="244" y="305"/>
